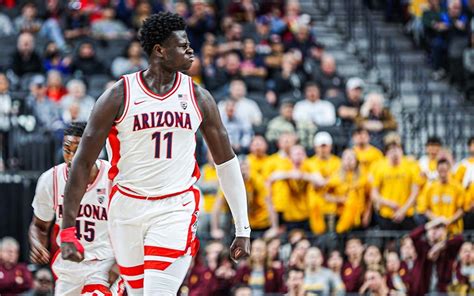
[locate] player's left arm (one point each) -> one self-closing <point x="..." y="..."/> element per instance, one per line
<point x="228" y="170"/>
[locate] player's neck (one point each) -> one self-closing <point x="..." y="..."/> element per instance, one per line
<point x="156" y="76"/>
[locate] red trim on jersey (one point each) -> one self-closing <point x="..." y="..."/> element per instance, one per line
<point x="193" y="243"/>
<point x="126" y="99"/>
<point x="55" y="188"/>
<point x="55" y="256"/>
<point x="115" y="147"/>
<point x="149" y="92"/>
<point x="163" y="252"/>
<point x="135" y="284"/>
<point x="131" y="271"/>
<point x="159" y="265"/>
<point x="112" y="193"/>
<point x="193" y="98"/>
<point x="152" y="197"/>
<point x="96" y="287"/>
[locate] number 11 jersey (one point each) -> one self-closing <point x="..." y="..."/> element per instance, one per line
<point x="152" y="145"/>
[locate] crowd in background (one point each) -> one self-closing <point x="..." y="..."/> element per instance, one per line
<point x="319" y="155"/>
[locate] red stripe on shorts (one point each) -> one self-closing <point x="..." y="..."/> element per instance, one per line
<point x="131" y="271"/>
<point x="96" y="287"/>
<point x="164" y="252"/>
<point x="135" y="284"/>
<point x="193" y="243"/>
<point x="159" y="265"/>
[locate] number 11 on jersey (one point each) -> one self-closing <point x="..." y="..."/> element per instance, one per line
<point x="168" y="137"/>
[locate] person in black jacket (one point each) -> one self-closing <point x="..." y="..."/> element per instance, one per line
<point x="25" y="59"/>
<point x="86" y="63"/>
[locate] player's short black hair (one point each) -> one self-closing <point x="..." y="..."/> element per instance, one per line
<point x="158" y="27"/>
<point x="434" y="140"/>
<point x="75" y="129"/>
<point x="470" y="141"/>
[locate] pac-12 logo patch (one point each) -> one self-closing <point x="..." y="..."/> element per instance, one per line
<point x="183" y="101"/>
<point x="101" y="198"/>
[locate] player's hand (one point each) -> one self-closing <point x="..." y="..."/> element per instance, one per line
<point x="70" y="252"/>
<point x="240" y="248"/>
<point x="38" y="253"/>
<point x="399" y="215"/>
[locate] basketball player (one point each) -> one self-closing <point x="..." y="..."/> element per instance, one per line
<point x="91" y="275"/>
<point x="150" y="118"/>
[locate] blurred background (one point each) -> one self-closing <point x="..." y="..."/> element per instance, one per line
<point x="352" y="119"/>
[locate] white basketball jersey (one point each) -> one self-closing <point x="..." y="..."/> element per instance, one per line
<point x="152" y="145"/>
<point x="91" y="222"/>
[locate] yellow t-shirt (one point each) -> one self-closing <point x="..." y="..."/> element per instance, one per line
<point x="209" y="174"/>
<point x="443" y="200"/>
<point x="367" y="157"/>
<point x="326" y="167"/>
<point x="257" y="164"/>
<point x="395" y="183"/>
<point x="353" y="186"/>
<point x="469" y="199"/>
<point x="296" y="208"/>
<point x="277" y="162"/>
<point x="461" y="170"/>
<point x="259" y="215"/>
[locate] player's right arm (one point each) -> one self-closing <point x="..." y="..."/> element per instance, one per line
<point x="43" y="215"/>
<point x="108" y="107"/>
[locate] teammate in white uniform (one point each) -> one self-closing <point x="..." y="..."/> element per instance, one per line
<point x="91" y="275"/>
<point x="150" y="119"/>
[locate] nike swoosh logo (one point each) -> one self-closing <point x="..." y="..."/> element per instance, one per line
<point x="139" y="102"/>
<point x="186" y="204"/>
<point x="246" y="227"/>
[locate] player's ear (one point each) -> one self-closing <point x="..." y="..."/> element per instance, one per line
<point x="159" y="50"/>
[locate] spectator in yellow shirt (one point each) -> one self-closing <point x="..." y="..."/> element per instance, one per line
<point x="445" y="198"/>
<point x="469" y="208"/>
<point x="262" y="217"/>
<point x="394" y="189"/>
<point x="279" y="161"/>
<point x="366" y="154"/>
<point x="464" y="172"/>
<point x="347" y="192"/>
<point x="428" y="162"/>
<point x="294" y="185"/>
<point x="258" y="157"/>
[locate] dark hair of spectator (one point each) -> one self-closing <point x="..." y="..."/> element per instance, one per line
<point x="354" y="238"/>
<point x="434" y="140"/>
<point x="75" y="129"/>
<point x="238" y="287"/>
<point x="442" y="161"/>
<point x="127" y="48"/>
<point x="292" y="269"/>
<point x="359" y="130"/>
<point x="311" y="84"/>
<point x="470" y="141"/>
<point x="159" y="27"/>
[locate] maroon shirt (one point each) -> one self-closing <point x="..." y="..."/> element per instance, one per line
<point x="201" y="281"/>
<point x="274" y="282"/>
<point x="421" y="273"/>
<point x="15" y="280"/>
<point x="352" y="277"/>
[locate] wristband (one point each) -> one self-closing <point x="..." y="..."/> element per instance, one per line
<point x="68" y="235"/>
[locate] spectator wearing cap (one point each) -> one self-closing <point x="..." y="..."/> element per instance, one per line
<point x="429" y="162"/>
<point x="313" y="109"/>
<point x="245" y="109"/>
<point x="240" y="131"/>
<point x="45" y="111"/>
<point x="285" y="123"/>
<point x="366" y="154"/>
<point x="436" y="253"/>
<point x="85" y="62"/>
<point x="109" y="28"/>
<point x="77" y="94"/>
<point x="15" y="277"/>
<point x="322" y="166"/>
<point x="349" y="108"/>
<point x="444" y="198"/>
<point x="252" y="67"/>
<point x="327" y="77"/>
<point x="395" y="186"/>
<point x="131" y="61"/>
<point x="199" y="23"/>
<point x="43" y="284"/>
<point x="262" y="278"/>
<point x="376" y="118"/>
<point x="25" y="59"/>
